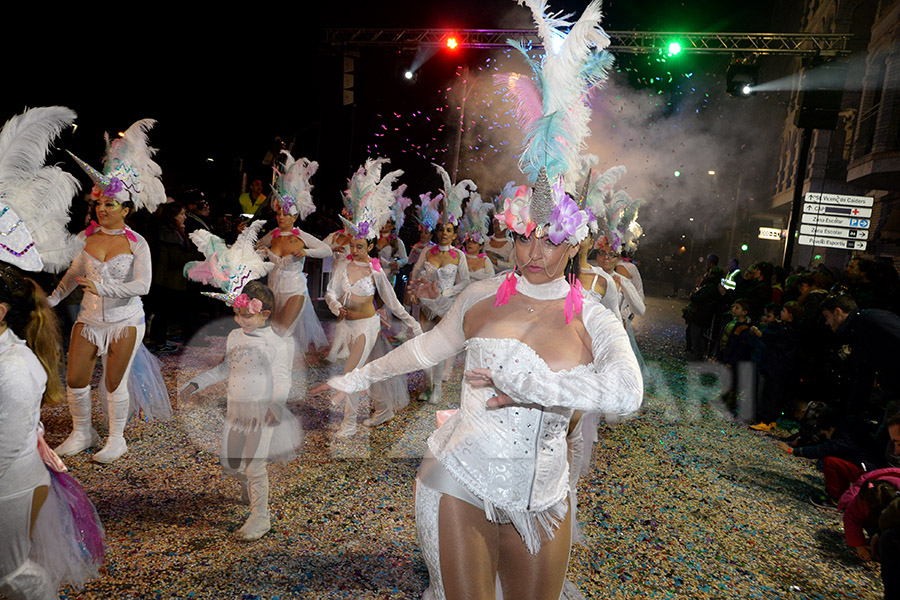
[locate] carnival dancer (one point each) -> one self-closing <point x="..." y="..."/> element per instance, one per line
<point x="391" y="253"/>
<point x="287" y="247"/>
<point x="351" y="294"/>
<point x="50" y="530"/>
<point x="474" y="229"/>
<point x="490" y="501"/>
<point x="259" y="427"/>
<point x="499" y="247"/>
<point x="391" y="249"/>
<point x="441" y="273"/>
<point x="114" y="271"/>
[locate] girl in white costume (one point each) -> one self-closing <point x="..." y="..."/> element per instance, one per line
<point x="258" y="426"/>
<point x="442" y="272"/>
<point x="114" y="271"/>
<point x="351" y="293"/>
<point x="287" y="247"/>
<point x="49" y="528"/>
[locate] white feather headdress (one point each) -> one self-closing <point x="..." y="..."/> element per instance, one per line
<point x="476" y="219"/>
<point x="454" y="195"/>
<point x="229" y="268"/>
<point x="35" y="199"/>
<point x="398" y="208"/>
<point x="428" y="212"/>
<point x="553" y="112"/>
<point x="129" y="172"/>
<point x="368" y="199"/>
<point x="292" y="192"/>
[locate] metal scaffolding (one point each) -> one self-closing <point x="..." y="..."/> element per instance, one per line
<point x="638" y="42"/>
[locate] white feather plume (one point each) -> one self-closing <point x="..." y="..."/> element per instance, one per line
<point x="40" y="195"/>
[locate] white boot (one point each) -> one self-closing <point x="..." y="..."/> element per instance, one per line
<point x="117" y="406"/>
<point x="29" y="582"/>
<point x="384" y="412"/>
<point x="433" y="380"/>
<point x="258" y="523"/>
<point x="245" y="488"/>
<point x="351" y="409"/>
<point x="83" y="435"/>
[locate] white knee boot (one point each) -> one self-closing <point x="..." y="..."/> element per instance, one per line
<point x="258" y="523"/>
<point x="117" y="404"/>
<point x="384" y="411"/>
<point x="351" y="409"/>
<point x="29" y="582"/>
<point x="83" y="435"/>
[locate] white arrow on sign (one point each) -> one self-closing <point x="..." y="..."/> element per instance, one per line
<point x="838" y="232"/>
<point x="834" y="221"/>
<point x="825" y="242"/>
<point x="840" y="199"/>
<point x="840" y="211"/>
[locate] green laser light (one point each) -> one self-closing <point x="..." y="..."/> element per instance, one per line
<point x="674" y="48"/>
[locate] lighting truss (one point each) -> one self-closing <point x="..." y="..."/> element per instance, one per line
<point x="637" y="42"/>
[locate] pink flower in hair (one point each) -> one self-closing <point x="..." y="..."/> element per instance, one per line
<point x="255" y="306"/>
<point x="241" y="301"/>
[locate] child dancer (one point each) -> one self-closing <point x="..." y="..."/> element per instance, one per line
<point x="352" y="289"/>
<point x="258" y="425"/>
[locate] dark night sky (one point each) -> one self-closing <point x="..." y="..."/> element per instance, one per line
<point x="224" y="83"/>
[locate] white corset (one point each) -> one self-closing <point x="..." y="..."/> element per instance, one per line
<point x="287" y="277"/>
<point x="104" y="309"/>
<point x="512" y="457"/>
<point x="445" y="276"/>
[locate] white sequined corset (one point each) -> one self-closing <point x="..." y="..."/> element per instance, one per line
<point x="512" y="457"/>
<point x="104" y="309"/>
<point x="287" y="278"/>
<point x="445" y="276"/>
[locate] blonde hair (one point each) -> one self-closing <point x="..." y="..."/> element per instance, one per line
<point x="31" y="318"/>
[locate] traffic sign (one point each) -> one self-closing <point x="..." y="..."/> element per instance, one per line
<point x="838" y="232"/>
<point x="841" y="211"/>
<point x="826" y="242"/>
<point x="840" y="199"/>
<point x="835" y="221"/>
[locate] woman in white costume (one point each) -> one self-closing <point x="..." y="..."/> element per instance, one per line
<point x="474" y="229"/>
<point x="391" y="249"/>
<point x="351" y="294"/>
<point x="442" y="272"/>
<point x="49" y="528"/>
<point x="114" y="271"/>
<point x="287" y="248"/>
<point x="492" y="495"/>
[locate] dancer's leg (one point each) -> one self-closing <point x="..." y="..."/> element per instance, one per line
<point x="79" y="367"/>
<point x="538" y="576"/>
<point x="117" y="364"/>
<point x="286" y="315"/>
<point x="256" y="450"/>
<point x="469" y="550"/>
<point x="351" y="408"/>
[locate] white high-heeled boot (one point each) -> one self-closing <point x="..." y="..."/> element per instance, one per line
<point x="117" y="404"/>
<point x="83" y="435"/>
<point x="258" y="522"/>
<point x="384" y="411"/>
<point x="351" y="410"/>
